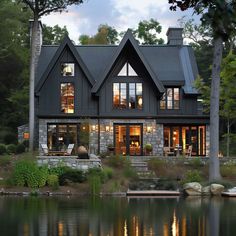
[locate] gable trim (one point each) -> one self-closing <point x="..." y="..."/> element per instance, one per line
<point x="128" y="37"/>
<point x="65" y="43"/>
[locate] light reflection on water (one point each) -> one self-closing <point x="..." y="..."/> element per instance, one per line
<point x="117" y="216"/>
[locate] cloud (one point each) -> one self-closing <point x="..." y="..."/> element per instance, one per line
<point x="121" y="14"/>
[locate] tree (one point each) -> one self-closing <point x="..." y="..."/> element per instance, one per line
<point x="105" y="35"/>
<point x="40" y="8"/>
<point x="211" y="12"/>
<point x="147" y="32"/>
<point x="53" y="35"/>
<point x="228" y="93"/>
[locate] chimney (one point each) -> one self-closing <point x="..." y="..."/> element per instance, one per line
<point x="174" y="36"/>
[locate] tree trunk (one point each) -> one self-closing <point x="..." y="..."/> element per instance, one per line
<point x="228" y="137"/>
<point x="214" y="165"/>
<point x="32" y="79"/>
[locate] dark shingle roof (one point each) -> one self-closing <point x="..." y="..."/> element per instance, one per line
<point x="171" y="64"/>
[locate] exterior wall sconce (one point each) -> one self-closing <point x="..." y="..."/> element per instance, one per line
<point x="107" y="128"/>
<point x="149" y="129"/>
<point x="93" y="128"/>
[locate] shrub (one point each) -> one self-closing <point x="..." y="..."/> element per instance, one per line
<point x="53" y="181"/>
<point x="192" y="176"/>
<point x="98" y="172"/>
<point x="74" y="176"/>
<point x="148" y="147"/>
<point x="129" y="172"/>
<point x="11" y="148"/>
<point x="94" y="184"/>
<point x="20" y="148"/>
<point x="59" y="170"/>
<point x="117" y="161"/>
<point x="228" y="170"/>
<point x="108" y="172"/>
<point x="5" y="161"/>
<point x="155" y="165"/>
<point x="2" y="149"/>
<point x="27" y="173"/>
<point x="9" y="138"/>
<point x="196" y="163"/>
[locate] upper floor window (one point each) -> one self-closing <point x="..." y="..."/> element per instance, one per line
<point x="128" y="95"/>
<point x="67" y="69"/>
<point x="170" y="99"/>
<point x="127" y="70"/>
<point x="67" y="97"/>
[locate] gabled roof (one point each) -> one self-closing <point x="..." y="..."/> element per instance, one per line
<point x="65" y="43"/>
<point x="128" y="38"/>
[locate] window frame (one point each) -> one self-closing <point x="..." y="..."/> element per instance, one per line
<point x="164" y="99"/>
<point x="67" y="113"/>
<point x="61" y="70"/>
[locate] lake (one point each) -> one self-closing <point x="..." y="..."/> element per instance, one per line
<point x="84" y="216"/>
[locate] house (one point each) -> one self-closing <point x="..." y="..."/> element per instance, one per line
<point x="125" y="95"/>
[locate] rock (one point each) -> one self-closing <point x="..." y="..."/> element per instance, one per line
<point x="93" y="156"/>
<point x="193" y="189"/>
<point x="217" y="189"/>
<point x="206" y="190"/>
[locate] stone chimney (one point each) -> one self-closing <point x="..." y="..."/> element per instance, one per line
<point x="39" y="40"/>
<point x="174" y="36"/>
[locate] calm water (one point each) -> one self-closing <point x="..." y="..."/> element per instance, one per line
<point x="117" y="216"/>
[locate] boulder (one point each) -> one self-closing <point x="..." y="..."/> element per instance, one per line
<point x="206" y="190"/>
<point x="217" y="189"/>
<point x="193" y="189"/>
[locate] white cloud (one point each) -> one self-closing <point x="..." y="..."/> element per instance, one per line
<point x="121" y="14"/>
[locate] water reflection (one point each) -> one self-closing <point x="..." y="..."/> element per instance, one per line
<point x="117" y="216"/>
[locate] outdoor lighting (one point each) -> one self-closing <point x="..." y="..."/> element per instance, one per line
<point x="93" y="127"/>
<point x="149" y="129"/>
<point x="83" y="127"/>
<point x="107" y="128"/>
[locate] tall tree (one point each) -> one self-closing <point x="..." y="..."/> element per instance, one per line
<point x="40" y="8"/>
<point x="53" y="35"/>
<point x="211" y="12"/>
<point x="105" y="35"/>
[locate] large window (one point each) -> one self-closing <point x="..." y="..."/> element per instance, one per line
<point x="67" y="98"/>
<point x="131" y="93"/>
<point x="185" y="136"/>
<point x="170" y="99"/>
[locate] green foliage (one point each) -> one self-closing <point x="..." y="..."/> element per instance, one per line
<point x="117" y="161"/>
<point x="73" y="176"/>
<point x="53" y="181"/>
<point x="20" y="148"/>
<point x="196" y="163"/>
<point x="129" y="172"/>
<point x="27" y="173"/>
<point x="155" y="164"/>
<point x="5" y="161"/>
<point x="2" y="149"/>
<point x="94" y="183"/>
<point x="10" y="138"/>
<point x="192" y="176"/>
<point x="228" y="170"/>
<point x="148" y="147"/>
<point x="59" y="170"/>
<point x="108" y="173"/>
<point x="11" y="148"/>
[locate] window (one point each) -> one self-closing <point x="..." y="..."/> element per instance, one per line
<point x="170" y="99"/>
<point x="67" y="69"/>
<point x="67" y="98"/>
<point x="131" y="92"/>
<point x="127" y="70"/>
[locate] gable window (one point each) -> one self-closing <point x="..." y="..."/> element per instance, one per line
<point x="67" y="98"/>
<point x="127" y="70"/>
<point x="170" y="99"/>
<point x="131" y="93"/>
<point x="67" y="69"/>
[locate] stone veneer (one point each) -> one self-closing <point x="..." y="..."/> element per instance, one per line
<point x="155" y="137"/>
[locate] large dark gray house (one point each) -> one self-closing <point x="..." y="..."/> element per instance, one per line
<point x="125" y="95"/>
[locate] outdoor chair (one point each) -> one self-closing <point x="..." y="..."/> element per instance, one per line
<point x="69" y="149"/>
<point x="45" y="149"/>
<point x="168" y="152"/>
<point x="188" y="152"/>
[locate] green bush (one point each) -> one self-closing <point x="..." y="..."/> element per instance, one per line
<point x="2" y="149"/>
<point x="20" y="148"/>
<point x="53" y="181"/>
<point x="192" y="176"/>
<point x="196" y="163"/>
<point x="108" y="172"/>
<point x="155" y="164"/>
<point x="5" y="161"/>
<point x="70" y="175"/>
<point x="94" y="184"/>
<point x="11" y="148"/>
<point x="117" y="161"/>
<point x="59" y="170"/>
<point x="27" y="173"/>
<point x="228" y="170"/>
<point x="9" y="138"/>
<point x="129" y="172"/>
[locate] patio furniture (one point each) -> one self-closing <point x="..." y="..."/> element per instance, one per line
<point x="188" y="152"/>
<point x="69" y="149"/>
<point x="45" y="149"/>
<point x="168" y="151"/>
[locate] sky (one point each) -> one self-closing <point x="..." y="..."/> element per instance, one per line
<point x="121" y="14"/>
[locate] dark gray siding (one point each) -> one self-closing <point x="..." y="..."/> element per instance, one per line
<point x="49" y="96"/>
